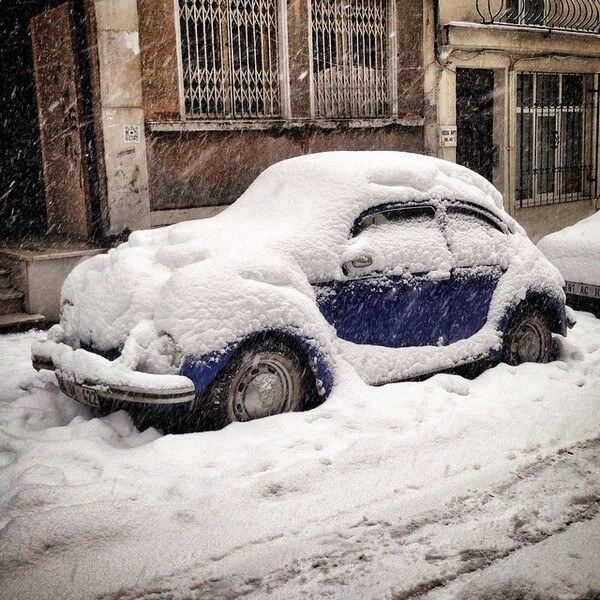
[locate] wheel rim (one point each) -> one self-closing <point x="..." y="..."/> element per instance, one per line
<point x="263" y="386"/>
<point x="528" y="343"/>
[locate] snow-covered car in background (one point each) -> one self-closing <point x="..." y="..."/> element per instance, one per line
<point x="575" y="251"/>
<point x="400" y="264"/>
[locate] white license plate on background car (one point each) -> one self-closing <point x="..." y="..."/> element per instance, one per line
<point x="583" y="289"/>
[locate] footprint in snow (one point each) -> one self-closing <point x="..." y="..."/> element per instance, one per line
<point x="455" y="385"/>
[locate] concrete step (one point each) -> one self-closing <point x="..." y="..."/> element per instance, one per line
<point x="19" y="321"/>
<point x="4" y="278"/>
<point x="11" y="301"/>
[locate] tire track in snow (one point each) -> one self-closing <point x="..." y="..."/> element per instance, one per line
<point x="405" y="559"/>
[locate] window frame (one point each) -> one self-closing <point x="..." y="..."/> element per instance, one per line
<point x="282" y="63"/>
<point x="529" y="165"/>
<point x="479" y="212"/>
<point x="391" y="60"/>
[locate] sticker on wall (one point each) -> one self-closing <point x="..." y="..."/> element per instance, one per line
<point x="131" y="133"/>
<point x="448" y="136"/>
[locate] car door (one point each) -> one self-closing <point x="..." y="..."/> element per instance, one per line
<point x="396" y="274"/>
<point x="479" y="247"/>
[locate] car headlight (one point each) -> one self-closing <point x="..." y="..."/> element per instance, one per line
<point x="170" y="350"/>
<point x="161" y="356"/>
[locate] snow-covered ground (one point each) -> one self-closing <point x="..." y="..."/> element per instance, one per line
<point x="446" y="488"/>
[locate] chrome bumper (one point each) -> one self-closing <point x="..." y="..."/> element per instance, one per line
<point x="102" y="381"/>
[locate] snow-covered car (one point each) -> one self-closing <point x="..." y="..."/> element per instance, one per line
<point x="399" y="264"/>
<point x="575" y="251"/>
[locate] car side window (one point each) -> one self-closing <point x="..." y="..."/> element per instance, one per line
<point x="474" y="239"/>
<point x="398" y="241"/>
<point x="410" y="214"/>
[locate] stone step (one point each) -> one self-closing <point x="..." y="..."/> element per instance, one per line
<point x="19" y="321"/>
<point x="11" y="301"/>
<point x="4" y="278"/>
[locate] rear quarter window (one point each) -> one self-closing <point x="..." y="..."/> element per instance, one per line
<point x="475" y="239"/>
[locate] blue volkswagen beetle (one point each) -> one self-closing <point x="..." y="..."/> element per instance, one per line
<point x="398" y="264"/>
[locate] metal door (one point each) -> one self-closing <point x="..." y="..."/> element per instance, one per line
<point x="63" y="157"/>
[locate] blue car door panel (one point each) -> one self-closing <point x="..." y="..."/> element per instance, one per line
<point x="393" y="311"/>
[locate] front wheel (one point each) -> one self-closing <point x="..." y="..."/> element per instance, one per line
<point x="264" y="378"/>
<point x="265" y="383"/>
<point x="528" y="337"/>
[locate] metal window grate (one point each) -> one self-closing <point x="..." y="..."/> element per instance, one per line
<point x="350" y="71"/>
<point x="557" y="138"/>
<point x="229" y="56"/>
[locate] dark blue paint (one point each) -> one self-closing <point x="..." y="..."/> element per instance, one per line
<point x="550" y="304"/>
<point x="471" y="292"/>
<point x="409" y="311"/>
<point x="202" y="370"/>
<point x="388" y="311"/>
<point x="110" y="354"/>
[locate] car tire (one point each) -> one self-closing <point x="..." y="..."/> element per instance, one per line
<point x="266" y="377"/>
<point x="528" y="337"/>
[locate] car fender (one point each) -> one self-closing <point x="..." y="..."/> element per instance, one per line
<point x="548" y="302"/>
<point x="203" y="370"/>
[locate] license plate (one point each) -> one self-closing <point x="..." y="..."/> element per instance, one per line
<point x="82" y="394"/>
<point x="583" y="289"/>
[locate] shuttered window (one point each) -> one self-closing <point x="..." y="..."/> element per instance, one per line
<point x="350" y="58"/>
<point x="230" y="58"/>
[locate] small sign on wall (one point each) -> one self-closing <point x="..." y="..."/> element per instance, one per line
<point x="448" y="136"/>
<point x="131" y="133"/>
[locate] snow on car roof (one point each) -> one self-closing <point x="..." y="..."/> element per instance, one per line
<point x="363" y="179"/>
<point x="574" y="250"/>
<point x="330" y="189"/>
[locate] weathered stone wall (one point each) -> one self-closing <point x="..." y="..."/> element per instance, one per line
<point x="197" y="169"/>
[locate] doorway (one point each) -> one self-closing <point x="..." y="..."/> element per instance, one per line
<point x="64" y="159"/>
<point x="51" y="78"/>
<point x="475" y="121"/>
<point x="22" y="204"/>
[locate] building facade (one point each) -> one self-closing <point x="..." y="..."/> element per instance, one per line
<point x="516" y="92"/>
<point x="151" y="112"/>
<point x="192" y="99"/>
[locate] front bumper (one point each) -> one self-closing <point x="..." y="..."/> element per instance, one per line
<point x="95" y="381"/>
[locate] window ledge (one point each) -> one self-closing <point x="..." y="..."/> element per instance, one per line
<point x="282" y="124"/>
<point x="524" y="27"/>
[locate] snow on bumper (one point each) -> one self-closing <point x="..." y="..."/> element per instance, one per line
<point x="92" y="379"/>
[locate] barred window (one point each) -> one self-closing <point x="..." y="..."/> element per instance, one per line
<point x="229" y="57"/>
<point x="557" y="138"/>
<point x="350" y="58"/>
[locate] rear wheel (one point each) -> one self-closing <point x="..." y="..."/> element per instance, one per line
<point x="528" y="337"/>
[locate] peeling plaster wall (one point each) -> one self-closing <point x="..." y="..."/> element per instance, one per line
<point x="122" y="115"/>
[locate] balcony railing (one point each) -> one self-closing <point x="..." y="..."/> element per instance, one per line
<point x="563" y="15"/>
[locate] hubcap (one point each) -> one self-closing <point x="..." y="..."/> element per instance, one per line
<point x="262" y="387"/>
<point x="528" y="343"/>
